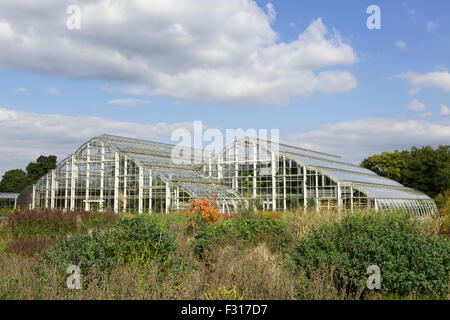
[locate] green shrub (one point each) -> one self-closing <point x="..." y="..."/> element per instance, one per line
<point x="248" y="231"/>
<point x="409" y="260"/>
<point x="311" y="203"/>
<point x="139" y="239"/>
<point x="292" y="202"/>
<point x="5" y="212"/>
<point x="56" y="224"/>
<point x="99" y="220"/>
<point x="86" y="251"/>
<point x="49" y="224"/>
<point x="130" y="241"/>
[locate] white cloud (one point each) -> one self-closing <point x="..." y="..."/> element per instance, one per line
<point x="413" y="91"/>
<point x="416" y="105"/>
<point x="431" y="26"/>
<point x="131" y="90"/>
<point x="354" y="140"/>
<point x="445" y="111"/>
<point x="195" y="50"/>
<point x="26" y="135"/>
<point x="21" y="90"/>
<point x="436" y="79"/>
<point x="401" y="45"/>
<point x="53" y="91"/>
<point x="271" y="12"/>
<point x="128" y="102"/>
<point x="425" y="115"/>
<point x="292" y="24"/>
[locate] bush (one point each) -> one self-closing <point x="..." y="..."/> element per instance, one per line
<point x="409" y="260"/>
<point x="202" y="211"/>
<point x="56" y="224"/>
<point x="5" y="212"/>
<point x="28" y="247"/>
<point x="292" y="202"/>
<point x="131" y="241"/>
<point x="49" y="224"/>
<point x="248" y="231"/>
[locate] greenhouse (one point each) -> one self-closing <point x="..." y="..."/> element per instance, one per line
<point x="8" y="200"/>
<point x="130" y="175"/>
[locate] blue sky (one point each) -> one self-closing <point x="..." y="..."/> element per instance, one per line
<point x="371" y="105"/>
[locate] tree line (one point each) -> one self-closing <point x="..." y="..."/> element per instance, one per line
<point x="16" y="180"/>
<point x="425" y="169"/>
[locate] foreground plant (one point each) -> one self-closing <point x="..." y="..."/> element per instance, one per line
<point x="409" y="259"/>
<point x="202" y="211"/>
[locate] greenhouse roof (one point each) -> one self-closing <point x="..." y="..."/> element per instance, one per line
<point x="183" y="165"/>
<point x="8" y="195"/>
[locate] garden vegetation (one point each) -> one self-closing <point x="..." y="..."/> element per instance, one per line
<point x="204" y="254"/>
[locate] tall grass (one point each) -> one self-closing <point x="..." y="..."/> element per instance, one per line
<point x="234" y="269"/>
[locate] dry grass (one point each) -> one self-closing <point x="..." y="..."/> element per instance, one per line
<point x="228" y="272"/>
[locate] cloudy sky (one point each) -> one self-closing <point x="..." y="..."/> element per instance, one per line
<point x="143" y="68"/>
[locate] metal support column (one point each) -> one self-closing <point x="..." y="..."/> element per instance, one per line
<point x="236" y="167"/>
<point x="87" y="207"/>
<point x="150" y="191"/>
<point x="66" y="189"/>
<point x="317" y="191"/>
<point x="102" y="177"/>
<point x="52" y="189"/>
<point x="74" y="173"/>
<point x="141" y="189"/>
<point x="254" y="170"/>
<point x="284" y="184"/>
<point x="125" y="184"/>
<point x="47" y="193"/>
<point x="274" y="183"/>
<point x="116" y="182"/>
<point x="339" y="197"/>
<point x="351" y="199"/>
<point x="305" y="202"/>
<point x="167" y="197"/>
<point x="33" y="198"/>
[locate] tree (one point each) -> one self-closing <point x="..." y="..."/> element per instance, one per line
<point x="14" y="181"/>
<point x="423" y="169"/>
<point x="37" y="169"/>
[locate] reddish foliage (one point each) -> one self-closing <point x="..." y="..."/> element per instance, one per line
<point x="205" y="209"/>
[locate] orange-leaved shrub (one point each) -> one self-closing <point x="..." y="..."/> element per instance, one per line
<point x="203" y="210"/>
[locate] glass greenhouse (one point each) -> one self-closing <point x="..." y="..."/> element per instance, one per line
<point x="130" y="175"/>
<point x="8" y="200"/>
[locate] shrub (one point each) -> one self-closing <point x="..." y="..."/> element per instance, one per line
<point x="248" y="208"/>
<point x="50" y="224"/>
<point x="311" y="203"/>
<point x="131" y="241"/>
<point x="409" y="260"/>
<point x="443" y="203"/>
<point x="56" y="224"/>
<point x="292" y="202"/>
<point x="248" y="231"/>
<point x="202" y="211"/>
<point x="139" y="239"/>
<point x="28" y="247"/>
<point x="99" y="220"/>
<point x="5" y="212"/>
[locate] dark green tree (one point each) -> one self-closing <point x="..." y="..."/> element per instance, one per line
<point x="37" y="169"/>
<point x="14" y="181"/>
<point x="425" y="169"/>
